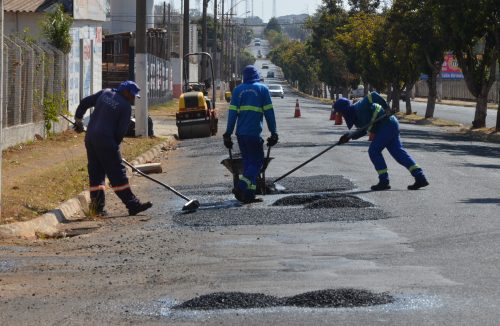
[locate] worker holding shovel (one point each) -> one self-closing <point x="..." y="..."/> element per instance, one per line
<point x="383" y="133"/>
<point x="108" y="125"/>
<point x="250" y="103"/>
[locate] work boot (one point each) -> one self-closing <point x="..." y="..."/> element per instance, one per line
<point x="381" y="185"/>
<point x="238" y="194"/>
<point x="140" y="207"/>
<point x="420" y="182"/>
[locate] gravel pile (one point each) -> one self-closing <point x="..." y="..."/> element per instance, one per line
<point x="230" y="300"/>
<point x="323" y="201"/>
<point x="331" y="298"/>
<point x="336" y="298"/>
<point x="271" y="216"/>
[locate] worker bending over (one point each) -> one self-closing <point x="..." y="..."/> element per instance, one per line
<point x="108" y="125"/>
<point x="382" y="134"/>
<point x="250" y="102"/>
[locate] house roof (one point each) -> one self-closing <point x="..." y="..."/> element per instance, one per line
<point x="32" y="5"/>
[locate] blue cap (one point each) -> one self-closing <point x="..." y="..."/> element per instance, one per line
<point x="131" y="86"/>
<point x="341" y="105"/>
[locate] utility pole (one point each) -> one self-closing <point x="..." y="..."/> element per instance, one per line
<point x="204" y="41"/>
<point x="215" y="47"/>
<point x="1" y="101"/>
<point x="169" y="33"/>
<point x="141" y="105"/>
<point x="222" y="47"/>
<point x="185" y="37"/>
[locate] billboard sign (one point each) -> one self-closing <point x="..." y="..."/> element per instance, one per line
<point x="450" y="68"/>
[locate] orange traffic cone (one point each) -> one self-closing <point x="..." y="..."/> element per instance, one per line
<point x="338" y="119"/>
<point x="332" y="115"/>
<point x="297" y="109"/>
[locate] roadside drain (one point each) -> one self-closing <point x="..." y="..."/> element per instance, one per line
<point x="272" y="216"/>
<point x="323" y="201"/>
<point x="330" y="298"/>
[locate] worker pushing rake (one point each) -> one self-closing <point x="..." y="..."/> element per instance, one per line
<point x="371" y="116"/>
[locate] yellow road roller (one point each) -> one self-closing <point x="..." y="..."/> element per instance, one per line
<point x="197" y="116"/>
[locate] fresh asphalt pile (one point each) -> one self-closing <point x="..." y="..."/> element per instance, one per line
<point x="323" y="201"/>
<point x="330" y="298"/>
<point x="272" y="216"/>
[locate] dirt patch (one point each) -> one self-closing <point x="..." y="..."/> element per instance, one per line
<point x="330" y="298"/>
<point x="419" y="120"/>
<point x="40" y="175"/>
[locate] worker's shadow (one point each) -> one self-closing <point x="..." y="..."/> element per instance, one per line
<point x="480" y="201"/>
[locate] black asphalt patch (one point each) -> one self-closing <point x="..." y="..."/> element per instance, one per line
<point x="323" y="201"/>
<point x="318" y="183"/>
<point x="331" y="298"/>
<point x="273" y="216"/>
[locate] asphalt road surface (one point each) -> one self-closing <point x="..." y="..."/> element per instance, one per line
<point x="434" y="251"/>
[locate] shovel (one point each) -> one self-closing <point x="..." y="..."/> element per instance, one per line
<point x="191" y="205"/>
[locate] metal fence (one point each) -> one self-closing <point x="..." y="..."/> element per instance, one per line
<point x="455" y="90"/>
<point x="32" y="72"/>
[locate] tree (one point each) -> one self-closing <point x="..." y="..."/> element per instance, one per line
<point x="56" y="26"/>
<point x="367" y="6"/>
<point x="467" y="23"/>
<point x="273" y="25"/>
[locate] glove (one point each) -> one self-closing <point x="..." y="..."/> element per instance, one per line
<point x="273" y="140"/>
<point x="78" y="126"/>
<point x="345" y="138"/>
<point x="227" y="141"/>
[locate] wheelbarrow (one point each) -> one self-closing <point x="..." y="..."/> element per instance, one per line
<point x="234" y="163"/>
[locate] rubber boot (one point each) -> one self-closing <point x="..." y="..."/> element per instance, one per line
<point x="420" y="182"/>
<point x="381" y="185"/>
<point x="97" y="202"/>
<point x="133" y="204"/>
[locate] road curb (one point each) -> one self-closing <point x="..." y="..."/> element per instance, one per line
<point x="48" y="223"/>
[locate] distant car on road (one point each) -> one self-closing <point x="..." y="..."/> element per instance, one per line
<point x="276" y="90"/>
<point x="270" y="74"/>
<point x="257" y="43"/>
<point x="265" y="66"/>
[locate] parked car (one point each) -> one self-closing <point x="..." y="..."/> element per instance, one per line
<point x="265" y="66"/>
<point x="257" y="43"/>
<point x="276" y="90"/>
<point x="270" y="74"/>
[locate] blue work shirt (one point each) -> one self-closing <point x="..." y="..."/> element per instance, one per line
<point x="110" y="119"/>
<point x="250" y="102"/>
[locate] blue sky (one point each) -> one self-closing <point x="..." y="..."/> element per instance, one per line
<point x="261" y="8"/>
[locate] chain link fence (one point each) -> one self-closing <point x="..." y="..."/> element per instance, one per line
<point x="32" y="72"/>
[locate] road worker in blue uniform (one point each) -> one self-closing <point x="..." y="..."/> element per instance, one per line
<point x="250" y="103"/>
<point x="382" y="134"/>
<point x="108" y="125"/>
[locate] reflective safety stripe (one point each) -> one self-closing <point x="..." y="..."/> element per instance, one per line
<point x="251" y="108"/>
<point x="233" y="107"/>
<point x="121" y="188"/>
<point x="250" y="186"/>
<point x="382" y="171"/>
<point x="414" y="167"/>
<point x="370" y="98"/>
<point x="378" y="108"/>
<point x="268" y="107"/>
<point x="97" y="188"/>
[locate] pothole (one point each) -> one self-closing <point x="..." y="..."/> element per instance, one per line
<point x="323" y="201"/>
<point x="330" y="298"/>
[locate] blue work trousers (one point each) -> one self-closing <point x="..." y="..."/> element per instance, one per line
<point x="104" y="159"/>
<point x="252" y="153"/>
<point x="387" y="136"/>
